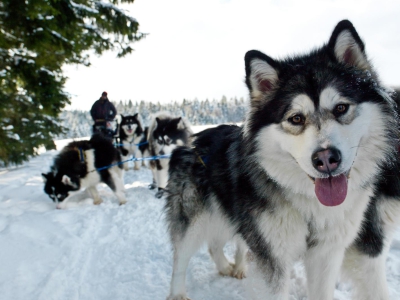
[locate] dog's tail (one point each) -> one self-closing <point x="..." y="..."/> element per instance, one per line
<point x="183" y="199"/>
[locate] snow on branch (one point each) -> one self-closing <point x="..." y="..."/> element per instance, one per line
<point x="47" y="71"/>
<point x="8" y="34"/>
<point x="115" y="8"/>
<point x="88" y="26"/>
<point x="84" y="7"/>
<point x="61" y="37"/>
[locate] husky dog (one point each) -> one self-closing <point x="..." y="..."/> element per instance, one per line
<point x="76" y="167"/>
<point x="133" y="140"/>
<point x="313" y="174"/>
<point x="165" y="134"/>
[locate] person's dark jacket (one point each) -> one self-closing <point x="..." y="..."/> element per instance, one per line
<point x="103" y="110"/>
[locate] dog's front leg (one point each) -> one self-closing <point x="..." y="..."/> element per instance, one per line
<point x="126" y="163"/>
<point x="162" y="177"/>
<point x="273" y="266"/>
<point x="275" y="280"/>
<point x="367" y="274"/>
<point x="138" y="154"/>
<point x="95" y="195"/>
<point x="322" y="268"/>
<point x="118" y="184"/>
<point x="153" y="169"/>
<point x="365" y="261"/>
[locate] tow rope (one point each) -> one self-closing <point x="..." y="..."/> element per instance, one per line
<point x="134" y="159"/>
<point x="138" y="145"/>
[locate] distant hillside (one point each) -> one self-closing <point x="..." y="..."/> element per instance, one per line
<point x="197" y="112"/>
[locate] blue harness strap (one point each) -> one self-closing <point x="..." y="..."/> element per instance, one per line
<point x="141" y="144"/>
<point x="134" y="159"/>
<point x="203" y="159"/>
<point x="81" y="154"/>
<point x="138" y="145"/>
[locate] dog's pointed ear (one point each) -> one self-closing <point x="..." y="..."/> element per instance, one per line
<point x="347" y="46"/>
<point x="261" y="74"/>
<point x="156" y="124"/>
<point x="181" y="123"/>
<point x="45" y="176"/>
<point x="67" y="181"/>
<point x="135" y="115"/>
<point x="175" y="122"/>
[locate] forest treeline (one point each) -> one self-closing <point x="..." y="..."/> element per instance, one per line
<point x="198" y="112"/>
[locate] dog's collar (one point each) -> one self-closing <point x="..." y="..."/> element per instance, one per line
<point x="133" y="139"/>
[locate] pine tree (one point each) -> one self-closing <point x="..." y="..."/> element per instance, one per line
<point x="37" y="37"/>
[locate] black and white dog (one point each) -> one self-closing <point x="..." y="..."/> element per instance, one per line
<point x="166" y="132"/>
<point x="133" y="139"/>
<point x="313" y="174"/>
<point x="84" y="164"/>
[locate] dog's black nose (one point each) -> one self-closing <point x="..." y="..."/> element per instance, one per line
<point x="327" y="160"/>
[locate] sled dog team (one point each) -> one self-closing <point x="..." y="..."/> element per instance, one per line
<point x="313" y="174"/>
<point x="84" y="164"/>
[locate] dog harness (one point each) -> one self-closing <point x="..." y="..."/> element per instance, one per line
<point x="81" y="154"/>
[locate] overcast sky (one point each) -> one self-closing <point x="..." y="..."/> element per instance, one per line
<point x="195" y="48"/>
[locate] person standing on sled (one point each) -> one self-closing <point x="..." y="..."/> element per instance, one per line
<point x="103" y="112"/>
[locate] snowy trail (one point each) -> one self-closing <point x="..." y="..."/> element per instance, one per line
<point x="109" y="251"/>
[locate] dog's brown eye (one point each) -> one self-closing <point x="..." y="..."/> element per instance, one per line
<point x="297" y="120"/>
<point x="340" y="109"/>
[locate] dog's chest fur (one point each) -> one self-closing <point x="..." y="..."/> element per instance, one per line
<point x="327" y="226"/>
<point x="130" y="143"/>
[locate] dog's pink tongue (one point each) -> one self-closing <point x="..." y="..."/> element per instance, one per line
<point x="331" y="191"/>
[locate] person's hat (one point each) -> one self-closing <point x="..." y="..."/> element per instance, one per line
<point x="104" y="94"/>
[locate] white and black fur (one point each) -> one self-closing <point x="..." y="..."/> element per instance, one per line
<point x="313" y="174"/>
<point x="75" y="167"/>
<point x="132" y="139"/>
<point x="166" y="132"/>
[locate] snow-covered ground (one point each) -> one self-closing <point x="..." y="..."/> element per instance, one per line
<point x="109" y="251"/>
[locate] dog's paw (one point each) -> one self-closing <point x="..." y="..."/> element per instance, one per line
<point x="152" y="186"/>
<point x="232" y="271"/>
<point x="122" y="202"/>
<point x="178" y="297"/>
<point x="159" y="193"/>
<point x="227" y="271"/>
<point x="97" y="202"/>
<point x="239" y="273"/>
<point x="136" y="168"/>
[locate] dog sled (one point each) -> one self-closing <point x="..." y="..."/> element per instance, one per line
<point x="105" y="128"/>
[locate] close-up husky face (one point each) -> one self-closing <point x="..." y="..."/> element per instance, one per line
<point x="129" y="124"/>
<point x="320" y="117"/>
